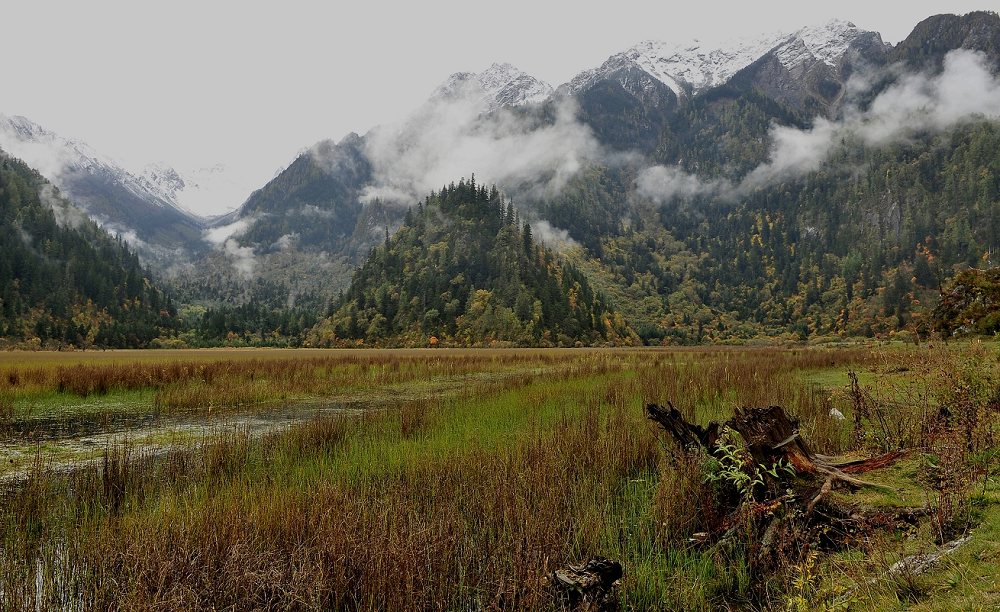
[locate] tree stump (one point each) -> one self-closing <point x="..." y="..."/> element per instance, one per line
<point x="771" y="436"/>
<point x="589" y="586"/>
<point x="688" y="436"/>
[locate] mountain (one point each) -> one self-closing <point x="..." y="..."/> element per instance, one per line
<point x="204" y="188"/>
<point x="691" y="69"/>
<point x="318" y="195"/>
<point x="500" y="85"/>
<point x="809" y="70"/>
<point x="301" y="234"/>
<point x="116" y="199"/>
<point x="63" y="280"/>
<point x="686" y="69"/>
<point x="316" y="221"/>
<point x="463" y="270"/>
<point x="777" y="212"/>
<point x="661" y="98"/>
<point x="935" y="36"/>
<point x="906" y="194"/>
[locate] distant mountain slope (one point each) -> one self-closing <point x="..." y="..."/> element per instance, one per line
<point x="201" y="191"/>
<point x="710" y="109"/>
<point x="118" y="200"/>
<point x="688" y="69"/>
<point x="315" y="199"/>
<point x="933" y="37"/>
<point x="463" y="270"/>
<point x="500" y="85"/>
<point x="787" y="204"/>
<point x="318" y="219"/>
<point x="858" y="247"/>
<point x="62" y="279"/>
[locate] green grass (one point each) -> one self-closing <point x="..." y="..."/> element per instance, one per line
<point x="967" y="579"/>
<point x="54" y="404"/>
<point x="463" y="485"/>
<point x="835" y="379"/>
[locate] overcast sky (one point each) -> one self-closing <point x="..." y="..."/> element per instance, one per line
<point x="199" y="83"/>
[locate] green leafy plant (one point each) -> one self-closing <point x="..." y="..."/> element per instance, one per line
<point x="735" y="466"/>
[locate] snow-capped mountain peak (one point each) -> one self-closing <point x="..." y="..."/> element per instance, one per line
<point x="48" y="152"/>
<point x="162" y="179"/>
<point x="693" y="67"/>
<point x="826" y="42"/>
<point x="63" y="161"/>
<point x="499" y="85"/>
<point x="79" y="171"/>
<point x="687" y="68"/>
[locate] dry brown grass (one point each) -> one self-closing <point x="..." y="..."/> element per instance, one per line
<point x="441" y="503"/>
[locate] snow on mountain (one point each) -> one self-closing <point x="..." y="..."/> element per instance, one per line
<point x="194" y="192"/>
<point x="206" y="191"/>
<point x="498" y="86"/>
<point x="51" y="154"/>
<point x="163" y="180"/>
<point x="58" y="158"/>
<point x="825" y="43"/>
<point x="691" y="68"/>
<point x="687" y="69"/>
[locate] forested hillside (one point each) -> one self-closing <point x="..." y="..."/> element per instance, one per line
<point x="463" y="269"/>
<point x="824" y="184"/>
<point x="65" y="281"/>
<point x="860" y="247"/>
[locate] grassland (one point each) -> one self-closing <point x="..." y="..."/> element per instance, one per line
<point x="465" y="477"/>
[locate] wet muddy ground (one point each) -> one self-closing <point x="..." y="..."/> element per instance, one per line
<point x="65" y="442"/>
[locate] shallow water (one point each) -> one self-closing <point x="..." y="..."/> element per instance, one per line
<point x="69" y="442"/>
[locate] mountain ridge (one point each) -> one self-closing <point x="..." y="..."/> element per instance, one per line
<point x="300" y="236"/>
<point x="112" y="196"/>
<point x="63" y="280"/>
<point x="500" y="85"/>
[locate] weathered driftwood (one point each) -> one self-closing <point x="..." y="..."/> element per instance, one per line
<point x="793" y="511"/>
<point x="688" y="436"/>
<point x="914" y="565"/>
<point x="588" y="586"/>
<point x="911" y="566"/>
<point x="773" y="442"/>
<point x="771" y="437"/>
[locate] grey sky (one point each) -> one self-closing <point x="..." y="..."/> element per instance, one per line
<point x="248" y="85"/>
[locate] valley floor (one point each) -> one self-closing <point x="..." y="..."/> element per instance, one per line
<point x="417" y="479"/>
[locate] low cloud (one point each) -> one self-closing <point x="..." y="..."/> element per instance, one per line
<point x="220" y="234"/>
<point x="451" y="137"/>
<point x="41" y="150"/>
<point x="663" y="184"/>
<point x="129" y="236"/>
<point x="240" y="257"/>
<point x="286" y="241"/>
<point x="916" y="103"/>
<point x="919" y="103"/>
<point x="311" y="210"/>
<point x="66" y="214"/>
<point x="555" y="238"/>
<point x="224" y="238"/>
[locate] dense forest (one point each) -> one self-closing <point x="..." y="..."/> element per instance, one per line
<point x="865" y="245"/>
<point x="253" y="323"/>
<point x="860" y="247"/>
<point x="970" y="303"/>
<point x="463" y="269"/>
<point x="64" y="281"/>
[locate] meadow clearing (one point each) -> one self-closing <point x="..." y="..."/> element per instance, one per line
<point x="461" y="479"/>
